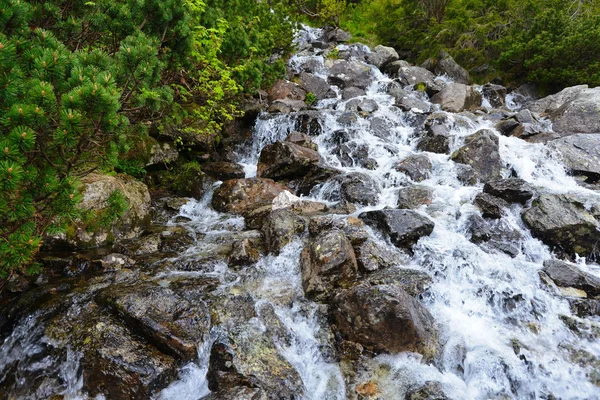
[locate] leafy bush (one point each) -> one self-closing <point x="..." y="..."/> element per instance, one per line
<point x="552" y="43"/>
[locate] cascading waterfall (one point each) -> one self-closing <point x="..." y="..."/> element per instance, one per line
<point x="485" y="302"/>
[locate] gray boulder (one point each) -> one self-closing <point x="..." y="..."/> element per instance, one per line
<point x="564" y="223"/>
<point x="371" y="257"/>
<point x="579" y="114"/>
<point x="337" y="35"/>
<point x="457" y="97"/>
<point x="283" y="160"/>
<point x="359" y="188"/>
<point x="447" y="66"/>
<point x="513" y="190"/>
<point x="286" y="90"/>
<point x="490" y="206"/>
<point x="316" y="85"/>
<point x="238" y="393"/>
<point x="240" y="196"/>
<point x="412" y="281"/>
<point x="495" y="94"/>
<point x="428" y="391"/>
<point x="408" y="76"/>
<point x="168" y="321"/>
<point x="404" y="227"/>
<point x="437" y="134"/>
<point x="243" y="252"/>
<point x="97" y="190"/>
<point x="287" y="106"/>
<point x="301" y="139"/>
<point x="566" y="274"/>
<point x="245" y="356"/>
<point x="223" y="170"/>
<point x="393" y="67"/>
<point x="581" y="154"/>
<point x="384" y="318"/>
<point x="328" y="262"/>
<point x="550" y="104"/>
<point x="280" y="227"/>
<point x="352" y="154"/>
<point x="382" y="55"/>
<point x="414" y="196"/>
<point x="116" y="362"/>
<point x="482" y="153"/>
<point x="417" y="167"/>
<point x="346" y="74"/>
<point x="351" y="92"/>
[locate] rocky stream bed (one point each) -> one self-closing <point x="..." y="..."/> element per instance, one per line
<point x="409" y="236"/>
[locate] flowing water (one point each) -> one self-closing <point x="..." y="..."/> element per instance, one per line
<point x="485" y="302"/>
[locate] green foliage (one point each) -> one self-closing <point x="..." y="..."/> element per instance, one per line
<point x="257" y="36"/>
<point x="311" y="100"/>
<point x="331" y="10"/>
<point x="83" y="81"/>
<point x="117" y="205"/>
<point x="552" y="43"/>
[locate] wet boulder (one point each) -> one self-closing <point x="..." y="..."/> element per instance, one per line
<point x="408" y="102"/>
<point x="446" y="65"/>
<point x="430" y="390"/>
<point x="490" y="206"/>
<point x="508" y="126"/>
<point x="404" y="227"/>
<point x="246" y="357"/>
<point x="457" y="97"/>
<point x="283" y="160"/>
<point x="116" y="362"/>
<point x="157" y="154"/>
<point x="327" y="262"/>
<point x="238" y="393"/>
<point x="414" y="75"/>
<point x="495" y="94"/>
<point x="565" y="274"/>
<point x="393" y="67"/>
<point x="581" y="154"/>
<point x="414" y="196"/>
<point x="382" y="55"/>
<point x="352" y="92"/>
<point x="550" y="104"/>
<point x="287" y="106"/>
<point x="417" y="167"/>
<point x="353" y="154"/>
<point x="563" y="223"/>
<point x="350" y="74"/>
<point x="412" y="281"/>
<point x="223" y="171"/>
<point x="337" y="35"/>
<point x="166" y="320"/>
<point x="301" y="139"/>
<point x="316" y="85"/>
<point x="243" y="252"/>
<point x="280" y="227"/>
<point x="98" y="190"/>
<point x="318" y="174"/>
<point x="579" y="114"/>
<point x="512" y="190"/>
<point x="384" y="318"/>
<point x="286" y="90"/>
<point x="309" y="122"/>
<point x="437" y="137"/>
<point x="240" y="196"/>
<point x="367" y="106"/>
<point x="359" y="188"/>
<point x="481" y="152"/>
<point x="371" y="256"/>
